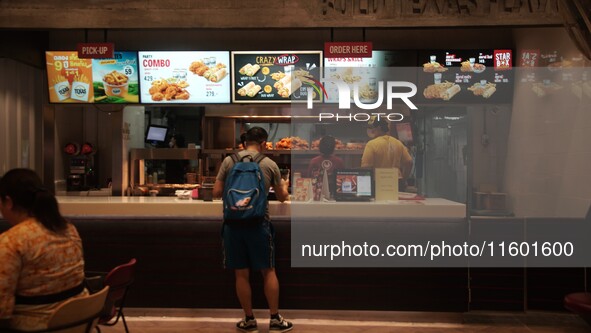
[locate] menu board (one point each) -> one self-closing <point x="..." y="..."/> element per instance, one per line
<point x="466" y="76"/>
<point x="74" y="80"/>
<point x="550" y="72"/>
<point x="69" y="78"/>
<point x="367" y="72"/>
<point x="185" y="77"/>
<point x="275" y="76"/>
<point x="116" y="80"/>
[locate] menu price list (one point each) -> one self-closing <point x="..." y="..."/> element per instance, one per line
<point x="366" y="73"/>
<point x="185" y="77"/>
<point x="551" y="73"/>
<point x="466" y="76"/>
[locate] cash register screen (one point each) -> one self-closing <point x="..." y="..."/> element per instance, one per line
<point x="156" y="133"/>
<point x="354" y="185"/>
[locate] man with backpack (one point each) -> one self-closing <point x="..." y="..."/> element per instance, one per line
<point x="243" y="182"/>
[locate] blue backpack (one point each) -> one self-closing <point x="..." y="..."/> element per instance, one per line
<point x="244" y="197"/>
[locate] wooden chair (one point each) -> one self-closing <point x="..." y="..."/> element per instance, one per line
<point x="76" y="315"/>
<point x="119" y="279"/>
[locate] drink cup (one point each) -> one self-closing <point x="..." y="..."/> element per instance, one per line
<point x="437" y="78"/>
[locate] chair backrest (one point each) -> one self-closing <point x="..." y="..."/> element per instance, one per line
<point x="79" y="314"/>
<point x="118" y="279"/>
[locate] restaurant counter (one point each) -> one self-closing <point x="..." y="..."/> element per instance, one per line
<point x="198" y="209"/>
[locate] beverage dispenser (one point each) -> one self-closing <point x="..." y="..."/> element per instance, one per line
<point x="80" y="167"/>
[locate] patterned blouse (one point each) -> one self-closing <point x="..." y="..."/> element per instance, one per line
<point x="36" y="261"/>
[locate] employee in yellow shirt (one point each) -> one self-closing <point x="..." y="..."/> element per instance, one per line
<point x="385" y="151"/>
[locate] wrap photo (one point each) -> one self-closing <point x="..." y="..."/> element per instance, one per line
<point x="451" y="92"/>
<point x="218" y="76"/>
<point x="252" y="70"/>
<point x="244" y="90"/>
<point x="253" y="91"/>
<point x="208" y="73"/>
<point x="282" y="82"/>
<point x="244" y="68"/>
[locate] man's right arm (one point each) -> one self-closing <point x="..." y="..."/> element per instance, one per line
<point x="406" y="163"/>
<point x="281" y="191"/>
<point x="278" y="184"/>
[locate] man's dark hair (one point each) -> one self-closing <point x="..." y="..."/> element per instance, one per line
<point x="375" y="123"/>
<point x="327" y="145"/>
<point x="256" y="134"/>
<point x="243" y="140"/>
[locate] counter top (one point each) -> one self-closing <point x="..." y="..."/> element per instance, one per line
<point x="173" y="207"/>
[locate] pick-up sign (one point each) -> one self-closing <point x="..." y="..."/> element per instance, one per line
<point x="95" y="50"/>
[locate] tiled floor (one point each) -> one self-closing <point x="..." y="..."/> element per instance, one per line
<point x="219" y="321"/>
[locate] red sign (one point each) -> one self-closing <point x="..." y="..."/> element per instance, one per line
<point x="347" y="49"/>
<point x="529" y="58"/>
<point x="503" y="59"/>
<point x="95" y="50"/>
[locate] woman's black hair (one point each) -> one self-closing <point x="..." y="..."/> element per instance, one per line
<point x="25" y="189"/>
<point x="327" y="145"/>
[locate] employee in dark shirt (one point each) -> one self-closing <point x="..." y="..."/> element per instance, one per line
<point x="326" y="162"/>
<point x="176" y="169"/>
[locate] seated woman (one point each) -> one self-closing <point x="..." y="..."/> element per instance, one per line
<point x="41" y="255"/>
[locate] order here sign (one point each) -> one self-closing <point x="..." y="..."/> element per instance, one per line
<point x="96" y="50"/>
<point x="347" y="49"/>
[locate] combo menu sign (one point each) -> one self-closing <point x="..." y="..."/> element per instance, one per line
<point x="275" y="76"/>
<point x="185" y="77"/>
<point x="75" y="80"/>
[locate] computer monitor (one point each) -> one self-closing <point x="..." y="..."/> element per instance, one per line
<point x="156" y="134"/>
<point x="354" y="185"/>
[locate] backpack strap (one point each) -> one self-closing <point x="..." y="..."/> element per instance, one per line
<point x="235" y="158"/>
<point x="259" y="157"/>
<point x="256" y="158"/>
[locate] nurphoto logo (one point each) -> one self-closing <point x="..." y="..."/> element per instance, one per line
<point x="401" y="90"/>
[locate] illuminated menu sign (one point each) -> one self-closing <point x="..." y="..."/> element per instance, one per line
<point x="69" y="78"/>
<point x="275" y="76"/>
<point x="75" y="80"/>
<point x="185" y="77"/>
<point x="548" y="72"/>
<point x="367" y="72"/>
<point x="116" y="80"/>
<point x="466" y="76"/>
